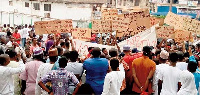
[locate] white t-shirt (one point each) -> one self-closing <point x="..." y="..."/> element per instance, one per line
<point x="113" y="83"/>
<point x="24" y="33"/>
<point x="182" y="65"/>
<point x="75" y="67"/>
<point x="170" y="77"/>
<point x="155" y="79"/>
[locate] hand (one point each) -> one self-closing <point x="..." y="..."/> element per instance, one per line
<point x="51" y="93"/>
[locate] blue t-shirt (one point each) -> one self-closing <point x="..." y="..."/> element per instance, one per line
<point x="197" y="79"/>
<point x="56" y="64"/>
<point x="96" y="70"/>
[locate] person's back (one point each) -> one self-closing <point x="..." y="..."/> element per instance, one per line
<point x="6" y="73"/>
<point x="182" y="65"/>
<point x="30" y="75"/>
<point x="96" y="69"/>
<point x="113" y="79"/>
<point x="170" y="76"/>
<point x="142" y="68"/>
<point x="187" y="84"/>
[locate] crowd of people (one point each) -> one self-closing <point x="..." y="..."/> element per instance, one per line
<point x="31" y="65"/>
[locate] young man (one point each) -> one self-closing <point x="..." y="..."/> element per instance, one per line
<point x="192" y="67"/>
<point x="14" y="64"/>
<point x="30" y="73"/>
<point x="44" y="69"/>
<point x="17" y="37"/>
<point x="7" y="87"/>
<point x="75" y="67"/>
<point x="113" y="80"/>
<point x="24" y="35"/>
<point x="169" y="77"/>
<point x="96" y="69"/>
<point x="143" y="70"/>
<point x="162" y="64"/>
<point x="181" y="64"/>
<point x="33" y="45"/>
<point x="60" y="80"/>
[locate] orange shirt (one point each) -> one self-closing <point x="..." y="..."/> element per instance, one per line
<point x="142" y="66"/>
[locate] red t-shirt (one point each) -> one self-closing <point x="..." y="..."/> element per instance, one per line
<point x="16" y="36"/>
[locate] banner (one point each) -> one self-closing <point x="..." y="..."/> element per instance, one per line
<point x="165" y="32"/>
<point x="145" y="38"/>
<point x="120" y="24"/>
<point x="183" y="23"/>
<point x="155" y="20"/>
<point x="99" y="26"/>
<point x="83" y="34"/>
<point x="82" y="46"/>
<point x="55" y="26"/>
<point x="181" y="36"/>
<point x="139" y="21"/>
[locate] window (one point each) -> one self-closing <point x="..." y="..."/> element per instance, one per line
<point x="26" y="4"/>
<point x="36" y="6"/>
<point x="10" y="3"/>
<point x="47" y="7"/>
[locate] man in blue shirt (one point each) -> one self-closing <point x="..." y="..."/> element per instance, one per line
<point x="192" y="66"/>
<point x="96" y="69"/>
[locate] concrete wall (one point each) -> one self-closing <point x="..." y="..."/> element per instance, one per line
<point x="75" y="12"/>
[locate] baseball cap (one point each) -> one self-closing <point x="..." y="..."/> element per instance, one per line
<point x="126" y="47"/>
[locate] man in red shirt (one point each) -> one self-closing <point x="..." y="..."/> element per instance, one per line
<point x="128" y="58"/>
<point x="17" y="37"/>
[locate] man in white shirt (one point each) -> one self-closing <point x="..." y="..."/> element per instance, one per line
<point x="113" y="80"/>
<point x="14" y="64"/>
<point x="162" y="64"/>
<point x="181" y="64"/>
<point x="169" y="77"/>
<point x="24" y="34"/>
<point x="7" y="87"/>
<point x="75" y="67"/>
<point x="44" y="69"/>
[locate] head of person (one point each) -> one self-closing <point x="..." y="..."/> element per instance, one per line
<point x="96" y="52"/>
<point x="16" y="30"/>
<point x="38" y="54"/>
<point x="105" y="51"/>
<point x="60" y="50"/>
<point x="114" y="64"/>
<point x="25" y="25"/>
<point x="66" y="54"/>
<point x="163" y="56"/>
<point x="113" y="52"/>
<point x="173" y="57"/>
<point x="5" y="59"/>
<point x="192" y="66"/>
<point x="62" y="62"/>
<point x="147" y="51"/>
<point x="11" y="53"/>
<point x="134" y="50"/>
<point x="41" y="36"/>
<point x="62" y="44"/>
<point x="53" y="55"/>
<point x="73" y="56"/>
<point x="180" y="56"/>
<point x="90" y="49"/>
<point x="67" y="44"/>
<point x="8" y="25"/>
<point x="34" y="41"/>
<point x="4" y="25"/>
<point x="126" y="49"/>
<point x="85" y="89"/>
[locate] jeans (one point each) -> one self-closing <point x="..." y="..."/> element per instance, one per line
<point x="23" y="42"/>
